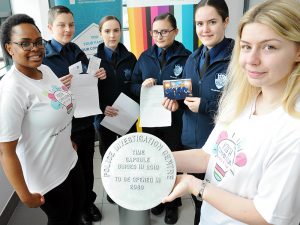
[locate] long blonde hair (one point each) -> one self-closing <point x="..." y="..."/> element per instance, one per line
<point x="283" y="16"/>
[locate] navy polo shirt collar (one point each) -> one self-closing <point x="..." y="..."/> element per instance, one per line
<point x="169" y="50"/>
<point x="213" y="52"/>
<point x="108" y="52"/>
<point x="56" y="45"/>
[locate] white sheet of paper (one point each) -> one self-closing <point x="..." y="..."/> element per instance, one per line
<point x="94" y="65"/>
<point x="128" y="113"/>
<point x="85" y="90"/>
<point x="152" y="113"/>
<point x="76" y="68"/>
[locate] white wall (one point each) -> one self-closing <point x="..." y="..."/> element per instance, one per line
<point x="6" y="191"/>
<point x="235" y="13"/>
<point x="254" y="2"/>
<point x="37" y="9"/>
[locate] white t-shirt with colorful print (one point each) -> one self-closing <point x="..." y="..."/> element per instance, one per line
<point x="38" y="113"/>
<point x="257" y="157"/>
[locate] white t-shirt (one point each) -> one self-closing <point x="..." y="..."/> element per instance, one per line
<point x="38" y="113"/>
<point x="258" y="158"/>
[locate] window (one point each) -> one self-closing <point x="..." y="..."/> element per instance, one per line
<point x="5" y="11"/>
<point x="126" y="37"/>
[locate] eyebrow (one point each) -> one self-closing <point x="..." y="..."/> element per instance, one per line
<point x="112" y="28"/>
<point x="164" y="29"/>
<point x="29" y="39"/>
<point x="206" y="20"/>
<point x="264" y="41"/>
<point x="66" y="22"/>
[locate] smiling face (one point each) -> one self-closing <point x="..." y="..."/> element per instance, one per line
<point x="62" y="28"/>
<point x="111" y="34"/>
<point x="164" y="25"/>
<point x="267" y="58"/>
<point x="210" y="27"/>
<point x="25" y="61"/>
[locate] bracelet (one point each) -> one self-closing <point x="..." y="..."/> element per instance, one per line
<point x="202" y="188"/>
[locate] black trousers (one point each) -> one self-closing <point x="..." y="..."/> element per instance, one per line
<point x="64" y="203"/>
<point x="84" y="140"/>
<point x="107" y="137"/>
<point x="171" y="136"/>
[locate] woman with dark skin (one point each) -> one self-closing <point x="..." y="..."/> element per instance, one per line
<point x="36" y="154"/>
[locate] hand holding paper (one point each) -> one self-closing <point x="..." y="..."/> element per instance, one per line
<point x="193" y="103"/>
<point x="100" y="74"/>
<point x="128" y="112"/>
<point x="66" y="80"/>
<point x="169" y="104"/>
<point x="76" y="68"/>
<point x="110" y="111"/>
<point x="93" y="68"/>
<point x="149" y="82"/>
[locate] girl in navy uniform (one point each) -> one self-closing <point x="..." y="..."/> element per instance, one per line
<point x="207" y="68"/>
<point x="165" y="60"/>
<point x="60" y="54"/>
<point x="118" y="63"/>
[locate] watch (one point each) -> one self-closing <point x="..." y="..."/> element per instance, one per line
<point x="202" y="188"/>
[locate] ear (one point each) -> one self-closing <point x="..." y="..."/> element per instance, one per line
<point x="176" y="31"/>
<point x="298" y="55"/>
<point x="9" y="49"/>
<point x="50" y="27"/>
<point x="226" y="22"/>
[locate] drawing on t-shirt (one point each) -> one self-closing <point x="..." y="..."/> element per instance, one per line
<point x="61" y="98"/>
<point x="228" y="154"/>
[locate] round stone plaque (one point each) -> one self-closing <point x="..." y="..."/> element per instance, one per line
<point x="138" y="171"/>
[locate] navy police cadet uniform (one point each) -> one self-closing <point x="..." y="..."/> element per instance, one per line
<point x="83" y="132"/>
<point x="148" y="66"/>
<point x="118" y="78"/>
<point x="198" y="126"/>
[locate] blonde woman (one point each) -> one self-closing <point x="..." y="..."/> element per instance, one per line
<point x="251" y="159"/>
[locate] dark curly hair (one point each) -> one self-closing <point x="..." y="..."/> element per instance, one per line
<point x="8" y="24"/>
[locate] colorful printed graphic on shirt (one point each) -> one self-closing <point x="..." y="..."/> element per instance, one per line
<point x="228" y="154"/>
<point x="60" y="98"/>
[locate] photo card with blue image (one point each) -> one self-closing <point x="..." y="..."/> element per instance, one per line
<point x="177" y="89"/>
